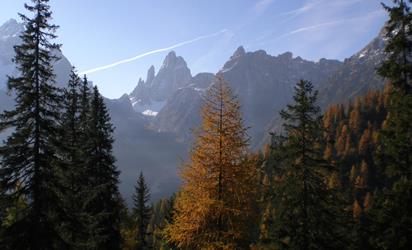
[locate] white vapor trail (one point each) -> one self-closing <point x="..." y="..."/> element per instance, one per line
<point x="151" y="52"/>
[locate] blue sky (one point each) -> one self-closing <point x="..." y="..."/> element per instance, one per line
<point x="96" y="33"/>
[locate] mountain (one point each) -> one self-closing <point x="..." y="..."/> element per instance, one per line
<point x="354" y="77"/>
<point x="149" y="96"/>
<point x="357" y="75"/>
<point x="153" y="123"/>
<point x="9" y="37"/>
<point x="263" y="83"/>
<point x="180" y="113"/>
<point x="136" y="147"/>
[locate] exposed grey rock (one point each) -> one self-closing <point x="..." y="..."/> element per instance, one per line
<point x="263" y="83"/>
<point x="150" y="95"/>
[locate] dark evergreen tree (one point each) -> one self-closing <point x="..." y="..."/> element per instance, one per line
<point x="72" y="159"/>
<point x="392" y="210"/>
<point x="28" y="157"/>
<point x="141" y="212"/>
<point x="84" y="110"/>
<point x="101" y="196"/>
<point x="307" y="214"/>
<point x="395" y="156"/>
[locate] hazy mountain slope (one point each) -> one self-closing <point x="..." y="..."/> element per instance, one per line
<point x="138" y="148"/>
<point x="353" y="78"/>
<point x="181" y="111"/>
<point x="9" y="37"/>
<point x="356" y="76"/>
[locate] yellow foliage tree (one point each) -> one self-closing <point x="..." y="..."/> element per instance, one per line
<point x="357" y="210"/>
<point x="215" y="206"/>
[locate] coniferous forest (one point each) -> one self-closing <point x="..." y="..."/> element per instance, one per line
<point x="339" y="178"/>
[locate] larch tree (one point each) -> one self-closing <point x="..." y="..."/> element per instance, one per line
<point x="28" y="157"/>
<point x="215" y="206"/>
<point x="141" y="212"/>
<point x="308" y="214"/>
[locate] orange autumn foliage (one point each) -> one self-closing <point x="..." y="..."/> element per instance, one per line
<point x="215" y="205"/>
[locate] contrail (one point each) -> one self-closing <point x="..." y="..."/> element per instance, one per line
<point x="151" y="52"/>
<point x="317" y="26"/>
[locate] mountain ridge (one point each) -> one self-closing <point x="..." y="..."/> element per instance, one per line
<point x="154" y="122"/>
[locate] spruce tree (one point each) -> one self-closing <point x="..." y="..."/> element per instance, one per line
<point x="215" y="206"/>
<point x="72" y="159"/>
<point x="391" y="212"/>
<point x="102" y="199"/>
<point x="141" y="212"/>
<point x="306" y="211"/>
<point x="395" y="158"/>
<point x="28" y="157"/>
<point x="84" y="110"/>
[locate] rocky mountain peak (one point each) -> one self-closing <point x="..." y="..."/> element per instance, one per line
<point x="11" y="28"/>
<point x="239" y="52"/>
<point x="382" y="32"/>
<point x="286" y="56"/>
<point x="374" y="51"/>
<point x="150" y="74"/>
<point x="173" y="61"/>
<point x="149" y="96"/>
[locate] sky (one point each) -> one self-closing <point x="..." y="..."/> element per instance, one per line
<point x="116" y="41"/>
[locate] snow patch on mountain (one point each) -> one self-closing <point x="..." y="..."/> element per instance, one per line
<point x="149" y="112"/>
<point x="151" y="108"/>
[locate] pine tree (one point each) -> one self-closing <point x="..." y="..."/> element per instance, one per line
<point x="308" y="215"/>
<point x="214" y="208"/>
<point x="391" y="213"/>
<point x="141" y="212"/>
<point x="102" y="198"/>
<point x="28" y="157"/>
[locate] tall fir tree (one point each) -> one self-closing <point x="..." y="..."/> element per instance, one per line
<point x="307" y="214"/>
<point x="102" y="199"/>
<point x="215" y="206"/>
<point x="28" y="158"/>
<point x="141" y="212"/>
<point x="395" y="157"/>
<point x="84" y="110"/>
<point x="72" y="168"/>
<point x="391" y="213"/>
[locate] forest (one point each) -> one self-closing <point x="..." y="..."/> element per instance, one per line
<point x="339" y="178"/>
